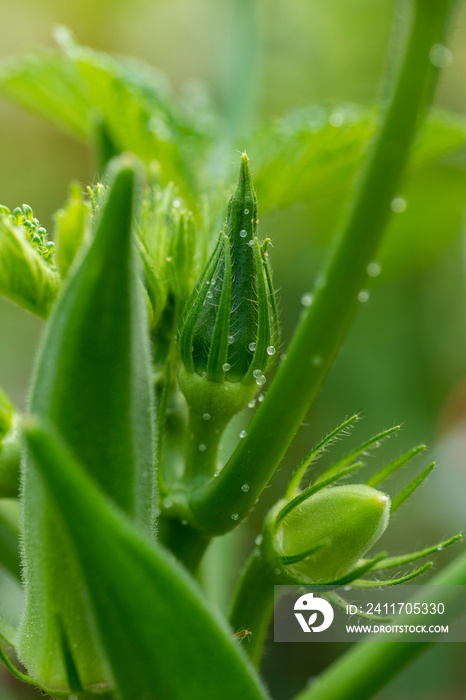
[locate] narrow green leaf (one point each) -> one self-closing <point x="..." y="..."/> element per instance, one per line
<point x="410" y="488"/>
<point x="314" y="488"/>
<point x="351" y="456"/>
<point x="295" y="558"/>
<point x="375" y="583"/>
<point x="393" y="466"/>
<point x="317" y="451"/>
<point x="392" y="562"/>
<point x="160" y="637"/>
<point x="93" y="380"/>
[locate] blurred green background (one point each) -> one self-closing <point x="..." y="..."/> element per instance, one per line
<point x="405" y="357"/>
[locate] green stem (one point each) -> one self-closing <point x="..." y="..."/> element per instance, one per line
<point x="183" y="540"/>
<point x="253" y="604"/>
<point x="242" y="69"/>
<point x="202" y="447"/>
<point x="369" y="666"/>
<point x="326" y="322"/>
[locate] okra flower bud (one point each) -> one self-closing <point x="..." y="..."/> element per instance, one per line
<point x="229" y="330"/>
<point x="322" y="539"/>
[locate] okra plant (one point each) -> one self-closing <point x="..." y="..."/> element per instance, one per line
<point x="161" y="325"/>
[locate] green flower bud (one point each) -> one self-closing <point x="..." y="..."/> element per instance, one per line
<point x="229" y="330"/>
<point x="322" y="538"/>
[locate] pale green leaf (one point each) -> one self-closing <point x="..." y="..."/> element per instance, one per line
<point x="25" y="276"/>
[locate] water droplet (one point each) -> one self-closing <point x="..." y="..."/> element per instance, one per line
<point x="234" y="516"/>
<point x="260" y="398"/>
<point x="226" y="367"/>
<point x="167" y="503"/>
<point x="216" y="473"/>
<point x="271" y="350"/>
<point x="243" y="434"/>
<point x="276" y="572"/>
<point x="207" y="416"/>
<point x="364" y="295"/>
<point x="398" y="205"/>
<point x="374" y="269"/>
<point x="307" y="299"/>
<point x="252" y="403"/>
<point x="258" y="540"/>
<point x="246" y="211"/>
<point x="347" y="588"/>
<point x="320" y="282"/>
<point x="231" y="340"/>
<point x="177" y="202"/>
<point x="317" y="360"/>
<point x="245" y="488"/>
<point x="251" y="242"/>
<point x="203" y="374"/>
<point x="440" y="547"/>
<point x="440" y="56"/>
<point x="260" y="381"/>
<point x="243" y="233"/>
<point x="207" y="282"/>
<point x="252" y="346"/>
<point x="209" y="295"/>
<point x="257" y="373"/>
<point x="336" y="119"/>
<point x="202" y="448"/>
<point x="213" y="281"/>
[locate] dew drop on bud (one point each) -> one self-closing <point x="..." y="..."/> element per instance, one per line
<point x="234" y="516"/>
<point x="307" y="299"/>
<point x="271" y="350"/>
<point x="363" y="296"/>
<point x="245" y="488"/>
<point x="336" y="119"/>
<point x="257" y="373"/>
<point x="246" y="211"/>
<point x="398" y="205"/>
<point x="258" y="540"/>
<point x="374" y="269"/>
<point x="243" y="233"/>
<point x="207" y="416"/>
<point x="202" y="448"/>
<point x="226" y="367"/>
<point x="260" y="381"/>
<point x="243" y="434"/>
<point x="440" y="56"/>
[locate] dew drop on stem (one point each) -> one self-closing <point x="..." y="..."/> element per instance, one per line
<point x="364" y="296"/>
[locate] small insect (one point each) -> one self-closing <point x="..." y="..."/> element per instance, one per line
<point x="242" y="634"/>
